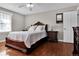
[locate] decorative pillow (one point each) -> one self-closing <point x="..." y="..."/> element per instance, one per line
<point x="43" y="27"/>
<point x="32" y="28"/>
<point x="40" y="28"/>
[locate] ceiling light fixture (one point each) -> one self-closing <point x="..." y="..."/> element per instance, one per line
<point x="30" y="6"/>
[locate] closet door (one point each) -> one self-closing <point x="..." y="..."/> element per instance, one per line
<point x="69" y="21"/>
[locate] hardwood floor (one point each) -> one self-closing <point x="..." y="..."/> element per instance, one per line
<point x="47" y="49"/>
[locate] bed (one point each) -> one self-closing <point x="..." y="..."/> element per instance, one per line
<point x="27" y="43"/>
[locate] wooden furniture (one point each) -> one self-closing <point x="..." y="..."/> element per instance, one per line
<point x="52" y="36"/>
<point x="76" y="40"/>
<point x="21" y="46"/>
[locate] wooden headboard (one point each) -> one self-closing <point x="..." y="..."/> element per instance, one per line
<point x="40" y="23"/>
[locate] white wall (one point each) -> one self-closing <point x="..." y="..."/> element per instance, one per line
<point x="78" y="19"/>
<point x="50" y="19"/>
<point x="17" y="22"/>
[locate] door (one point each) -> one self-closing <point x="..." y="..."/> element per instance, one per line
<point x="69" y="21"/>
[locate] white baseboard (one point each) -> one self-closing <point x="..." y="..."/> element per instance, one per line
<point x="64" y="42"/>
<point x="60" y="40"/>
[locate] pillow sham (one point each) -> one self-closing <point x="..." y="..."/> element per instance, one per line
<point x="32" y="28"/>
<point x="43" y="27"/>
<point x="40" y="28"/>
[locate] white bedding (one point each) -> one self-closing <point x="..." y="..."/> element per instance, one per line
<point x="27" y="37"/>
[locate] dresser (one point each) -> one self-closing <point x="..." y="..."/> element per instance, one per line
<point x="52" y="36"/>
<point x="76" y="41"/>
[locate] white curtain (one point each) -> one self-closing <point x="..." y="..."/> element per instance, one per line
<point x="5" y="22"/>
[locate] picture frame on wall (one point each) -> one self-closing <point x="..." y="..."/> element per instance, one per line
<point x="59" y="18"/>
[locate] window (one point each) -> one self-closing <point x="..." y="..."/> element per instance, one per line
<point x="5" y="22"/>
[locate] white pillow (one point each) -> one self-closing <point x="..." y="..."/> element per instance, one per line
<point x="40" y="28"/>
<point x="43" y="27"/>
<point x="32" y="28"/>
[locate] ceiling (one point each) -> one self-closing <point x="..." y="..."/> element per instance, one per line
<point x="38" y="7"/>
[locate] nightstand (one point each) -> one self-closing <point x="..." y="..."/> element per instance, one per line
<point x="52" y="36"/>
